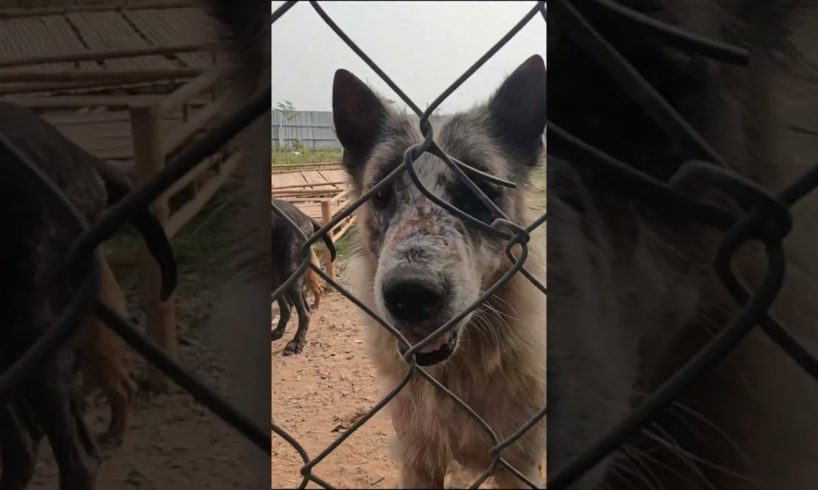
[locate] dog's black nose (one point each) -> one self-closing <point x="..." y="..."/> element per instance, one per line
<point x="413" y="294"/>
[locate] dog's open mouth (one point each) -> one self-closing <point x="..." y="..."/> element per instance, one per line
<point x="436" y="351"/>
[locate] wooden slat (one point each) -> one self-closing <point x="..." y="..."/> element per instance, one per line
<point x="184" y="132"/>
<point x="78" y="101"/>
<point x="183" y="95"/>
<point x="193" y="207"/>
<point x="331" y="185"/>
<point x="100" y="76"/>
<point x="283" y="169"/>
<point x="18" y="13"/>
<point x="100" y="54"/>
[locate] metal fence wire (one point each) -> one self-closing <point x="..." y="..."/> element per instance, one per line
<point x="86" y="255"/>
<point x="766" y="219"/>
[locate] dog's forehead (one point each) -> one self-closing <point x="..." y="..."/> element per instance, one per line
<point x="462" y="136"/>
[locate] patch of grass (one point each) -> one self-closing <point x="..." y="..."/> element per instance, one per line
<point x="290" y="157"/>
<point x="345" y="247"/>
<point x="200" y="248"/>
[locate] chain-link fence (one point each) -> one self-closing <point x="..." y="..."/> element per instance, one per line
<point x="514" y="234"/>
<point x="766" y="219"/>
<point x="85" y="255"/>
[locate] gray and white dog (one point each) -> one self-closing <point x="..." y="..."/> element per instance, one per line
<point x="419" y="266"/>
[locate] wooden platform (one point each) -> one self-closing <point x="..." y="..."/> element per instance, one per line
<point x="132" y="84"/>
<point x="61" y="33"/>
<point x="321" y="191"/>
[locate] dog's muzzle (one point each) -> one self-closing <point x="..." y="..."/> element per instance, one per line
<point x="415" y="297"/>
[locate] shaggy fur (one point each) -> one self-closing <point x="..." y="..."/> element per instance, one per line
<point x="494" y="360"/>
<point x="632" y="294"/>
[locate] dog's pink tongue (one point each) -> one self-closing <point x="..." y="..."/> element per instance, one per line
<point x="434" y="345"/>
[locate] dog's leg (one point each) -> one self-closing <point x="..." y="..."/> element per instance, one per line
<point x="283" y="317"/>
<point x="57" y="412"/>
<point x="118" y="391"/>
<point x="296" y="345"/>
<point x="316" y="295"/>
<point x="19" y="440"/>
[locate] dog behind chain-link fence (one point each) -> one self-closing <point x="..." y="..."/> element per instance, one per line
<point x="450" y="280"/>
<point x="54" y="198"/>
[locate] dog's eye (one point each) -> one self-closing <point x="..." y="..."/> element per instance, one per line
<point x="468" y="202"/>
<point x="383" y="196"/>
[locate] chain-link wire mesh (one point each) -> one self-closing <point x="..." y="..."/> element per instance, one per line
<point x="766" y="219"/>
<point x="85" y="255"/>
<point x="515" y="235"/>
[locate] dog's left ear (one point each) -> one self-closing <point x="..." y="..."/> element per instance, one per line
<point x="517" y="110"/>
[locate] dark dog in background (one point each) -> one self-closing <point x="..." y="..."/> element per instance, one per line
<point x="286" y="256"/>
<point x="35" y="289"/>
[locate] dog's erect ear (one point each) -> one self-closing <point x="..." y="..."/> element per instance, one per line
<point x="358" y="115"/>
<point x="517" y="110"/>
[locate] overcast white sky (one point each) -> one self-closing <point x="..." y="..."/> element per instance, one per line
<point x="422" y="46"/>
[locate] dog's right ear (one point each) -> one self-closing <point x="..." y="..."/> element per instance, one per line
<point x="358" y="115"/>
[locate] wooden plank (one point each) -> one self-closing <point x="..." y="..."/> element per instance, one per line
<point x="329" y="185"/>
<point x="172" y="26"/>
<point x="184" y="132"/>
<point x="343" y="196"/>
<point x="19" y="13"/>
<point x="78" y="101"/>
<point x="183" y="95"/>
<point x="194" y="206"/>
<point x="100" y="54"/>
<point x="100" y="76"/>
<point x="290" y="179"/>
<point x="55" y="87"/>
<point x="335" y="175"/>
<point x="69" y="118"/>
<point x="189" y="177"/>
<point x="110" y="30"/>
<point x="160" y="316"/>
<point x="283" y="169"/>
<point x="343" y="228"/>
<point x="37" y="36"/>
<point x="314" y="177"/>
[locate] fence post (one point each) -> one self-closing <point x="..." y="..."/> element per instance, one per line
<point x="160" y="317"/>
<point x="280" y="130"/>
<point x="326" y="215"/>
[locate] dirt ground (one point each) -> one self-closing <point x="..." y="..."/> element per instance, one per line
<point x="169" y="442"/>
<point x="319" y="393"/>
